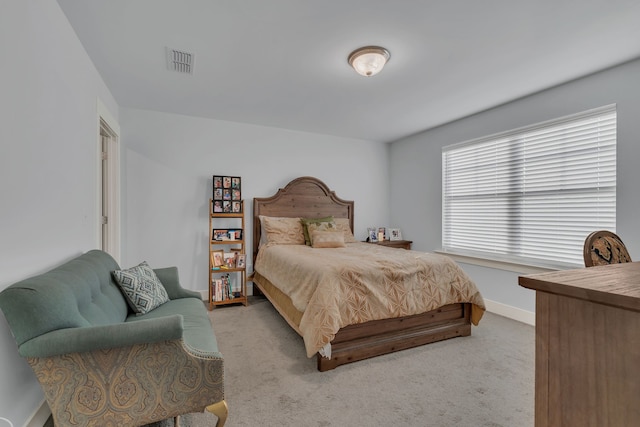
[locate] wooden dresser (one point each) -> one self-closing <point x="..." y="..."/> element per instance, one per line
<point x="587" y="346"/>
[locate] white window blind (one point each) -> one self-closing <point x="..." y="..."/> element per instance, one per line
<point x="532" y="195"/>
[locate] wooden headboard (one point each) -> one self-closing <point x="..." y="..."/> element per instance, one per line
<point x="304" y="197"/>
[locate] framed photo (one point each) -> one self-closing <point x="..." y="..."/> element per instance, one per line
<point x="220" y="234"/>
<point x="230" y="259"/>
<point x="382" y="233"/>
<point x="395" y="234"/>
<point x="217" y="258"/>
<point x="228" y="188"/>
<point x="217" y="206"/>
<point x="236" y="206"/>
<point x="225" y="234"/>
<point x="241" y="261"/>
<point x="372" y="234"/>
<point x="234" y="234"/>
<point x="226" y="206"/>
<point x="217" y="182"/>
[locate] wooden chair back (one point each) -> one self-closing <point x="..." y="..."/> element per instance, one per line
<point x="604" y="247"/>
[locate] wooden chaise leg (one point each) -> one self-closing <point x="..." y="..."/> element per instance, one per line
<point x="220" y="410"/>
<point x="176" y="421"/>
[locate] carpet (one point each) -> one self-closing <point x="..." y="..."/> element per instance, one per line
<point x="486" y="379"/>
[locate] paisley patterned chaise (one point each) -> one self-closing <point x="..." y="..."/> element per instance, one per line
<point x="99" y="363"/>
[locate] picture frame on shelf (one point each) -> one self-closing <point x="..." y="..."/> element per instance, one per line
<point x="226" y="206"/>
<point x="372" y="233"/>
<point x="217" y="206"/>
<point x="217" y="258"/>
<point x="395" y="234"/>
<point x="230" y="259"/>
<point x="234" y="234"/>
<point x="228" y="188"/>
<point x="226" y="234"/>
<point x="241" y="261"/>
<point x="382" y="233"/>
<point x="236" y="207"/>
<point x="219" y="235"/>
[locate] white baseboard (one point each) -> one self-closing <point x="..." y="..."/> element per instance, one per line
<point x="511" y="312"/>
<point x="40" y="416"/>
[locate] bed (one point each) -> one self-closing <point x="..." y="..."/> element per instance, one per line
<point x="334" y="296"/>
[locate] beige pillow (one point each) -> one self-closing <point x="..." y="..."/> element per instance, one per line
<point x="320" y="226"/>
<point x="345" y="227"/>
<point x="327" y="239"/>
<point x="305" y="229"/>
<point x="283" y="231"/>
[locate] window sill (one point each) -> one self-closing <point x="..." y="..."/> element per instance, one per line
<point x="502" y="264"/>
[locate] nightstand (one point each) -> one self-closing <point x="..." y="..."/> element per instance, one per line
<point x="400" y="244"/>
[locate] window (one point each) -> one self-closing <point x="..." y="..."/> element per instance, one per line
<point x="532" y="195"/>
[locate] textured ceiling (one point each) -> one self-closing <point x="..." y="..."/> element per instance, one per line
<point x="283" y="63"/>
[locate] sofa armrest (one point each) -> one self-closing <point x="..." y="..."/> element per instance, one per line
<point x="169" y="278"/>
<point x="125" y="334"/>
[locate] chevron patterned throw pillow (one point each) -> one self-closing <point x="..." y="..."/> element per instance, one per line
<point x="141" y="287"/>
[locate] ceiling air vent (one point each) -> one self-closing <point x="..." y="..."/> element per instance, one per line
<point x="180" y="61"/>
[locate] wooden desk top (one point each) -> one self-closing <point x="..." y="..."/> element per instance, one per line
<point x="616" y="285"/>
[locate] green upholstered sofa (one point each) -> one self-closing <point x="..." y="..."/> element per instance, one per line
<point x="99" y="363"/>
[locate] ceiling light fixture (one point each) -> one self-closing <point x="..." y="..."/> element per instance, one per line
<point x="369" y="60"/>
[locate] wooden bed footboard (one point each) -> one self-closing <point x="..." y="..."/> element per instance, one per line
<point x="378" y="337"/>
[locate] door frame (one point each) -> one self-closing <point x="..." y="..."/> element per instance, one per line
<point x="106" y="123"/>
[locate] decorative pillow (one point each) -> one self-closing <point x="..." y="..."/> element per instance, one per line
<point x="327" y="239"/>
<point x="305" y="226"/>
<point x="345" y="227"/>
<point x="321" y="226"/>
<point x="141" y="287"/>
<point x="283" y="231"/>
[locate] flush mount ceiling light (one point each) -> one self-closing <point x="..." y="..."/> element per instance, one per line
<point x="369" y="60"/>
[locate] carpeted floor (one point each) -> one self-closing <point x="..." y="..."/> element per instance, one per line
<point x="486" y="379"/>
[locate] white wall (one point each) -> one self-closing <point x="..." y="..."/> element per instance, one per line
<point x="415" y="166"/>
<point x="48" y="158"/>
<point x="169" y="161"/>
<point x="48" y="163"/>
